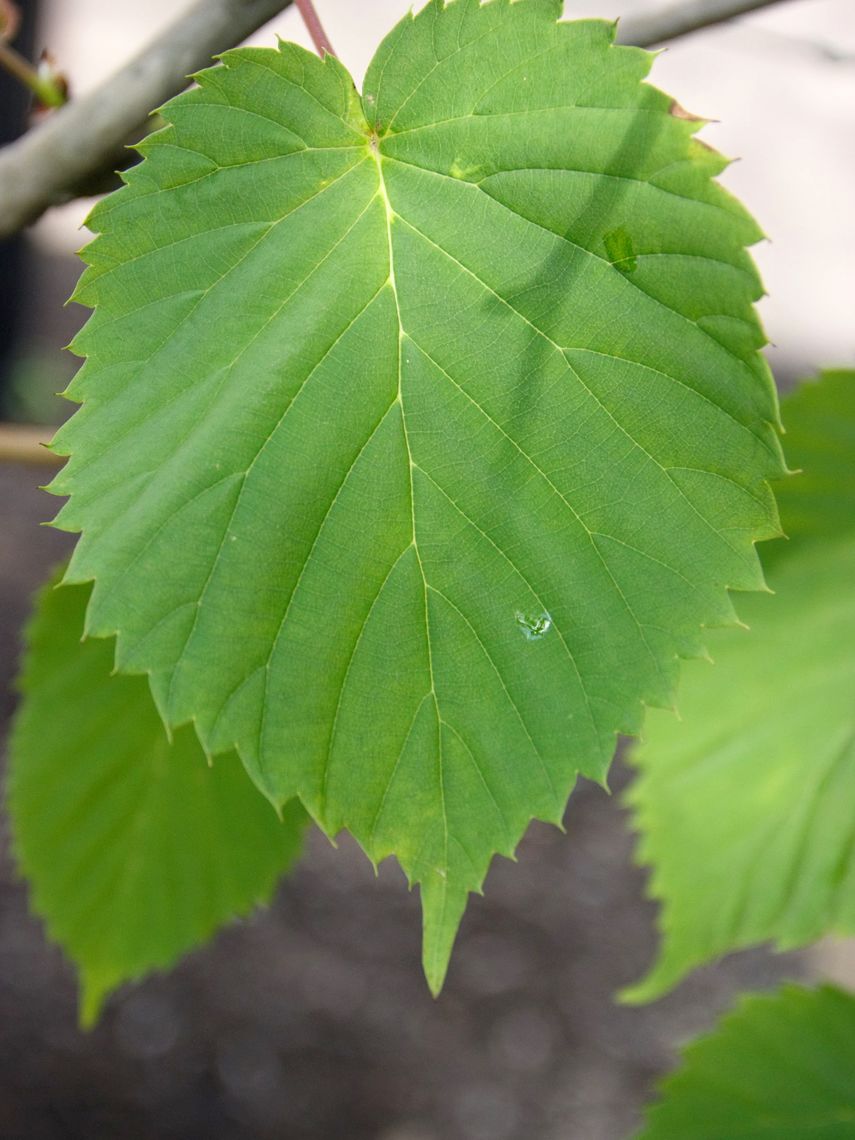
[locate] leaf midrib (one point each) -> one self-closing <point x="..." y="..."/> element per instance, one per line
<point x="389" y="215"/>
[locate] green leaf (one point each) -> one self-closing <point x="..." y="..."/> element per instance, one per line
<point x="421" y="431"/>
<point x="821" y="443"/>
<point x="135" y="849"/>
<point x="779" y="1066"/>
<point x="745" y="805"/>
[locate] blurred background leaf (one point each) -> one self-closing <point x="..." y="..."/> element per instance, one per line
<point x="135" y="848"/>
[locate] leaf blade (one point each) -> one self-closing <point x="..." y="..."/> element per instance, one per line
<point x="428" y="466"/>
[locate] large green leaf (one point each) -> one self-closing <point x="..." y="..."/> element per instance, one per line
<point x="135" y="849"/>
<point x="745" y="806"/>
<point x="421" y="431"/>
<point x="780" y="1067"/>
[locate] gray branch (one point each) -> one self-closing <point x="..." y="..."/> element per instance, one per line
<point x="58" y="159"/>
<point x="47" y="166"/>
<point x="680" y="17"/>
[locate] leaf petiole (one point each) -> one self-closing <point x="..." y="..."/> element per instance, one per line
<point x="315" y="28"/>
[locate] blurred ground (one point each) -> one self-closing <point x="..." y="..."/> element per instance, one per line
<point x="312" y="1021"/>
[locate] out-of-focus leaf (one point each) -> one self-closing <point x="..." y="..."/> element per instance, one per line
<point x="135" y="849"/>
<point x="781" y="1067"/>
<point x="745" y="805"/>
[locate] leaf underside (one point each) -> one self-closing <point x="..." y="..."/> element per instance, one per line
<point x="135" y="849"/>
<point x="781" y="1065"/>
<point x="421" y="431"/>
<point x="744" y="807"/>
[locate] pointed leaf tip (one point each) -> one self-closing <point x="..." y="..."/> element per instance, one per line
<point x="442" y="911"/>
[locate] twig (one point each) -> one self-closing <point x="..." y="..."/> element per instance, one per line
<point x="42" y="168"/>
<point x="16" y="65"/>
<point x="680" y="17"/>
<point x="315" y="28"/>
<point x="44" y="87"/>
<point x="21" y="443"/>
<point x="41" y="81"/>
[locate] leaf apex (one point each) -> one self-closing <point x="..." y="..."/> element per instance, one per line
<point x="92" y="996"/>
<point x="442" y="910"/>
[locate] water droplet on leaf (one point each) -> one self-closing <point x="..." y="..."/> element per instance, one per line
<point x="534" y="625"/>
